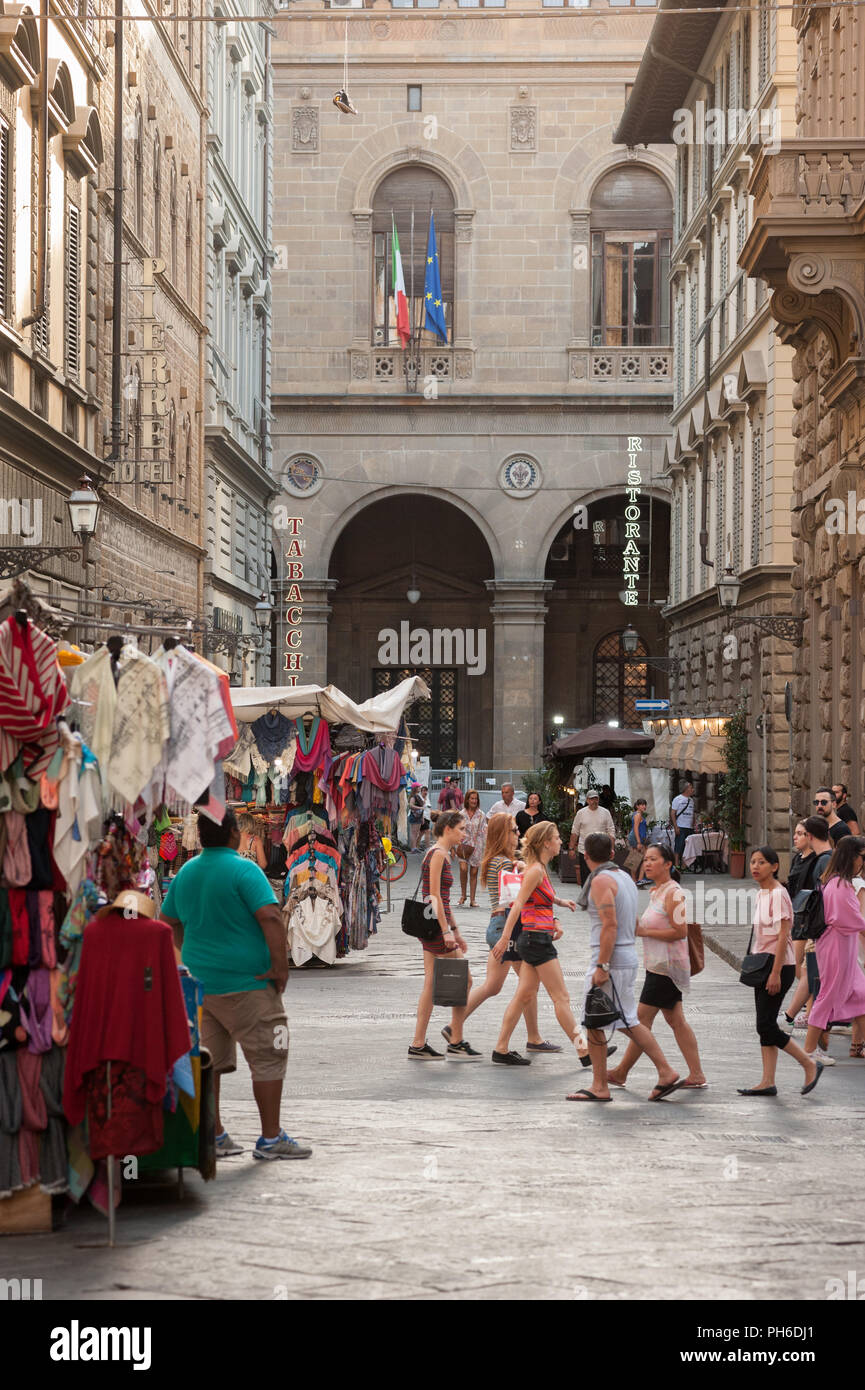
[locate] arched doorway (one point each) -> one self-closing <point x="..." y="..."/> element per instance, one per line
<point x="586" y="563"/>
<point x="426" y="547"/>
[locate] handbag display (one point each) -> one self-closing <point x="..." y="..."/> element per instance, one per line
<point x="450" y="982"/>
<point x="418" y="918"/>
<point x="696" y="950"/>
<point x="756" y="969"/>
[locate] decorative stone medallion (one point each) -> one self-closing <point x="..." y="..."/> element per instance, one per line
<point x="524" y="128"/>
<point x="520" y="476"/>
<point x="304" y="129"/>
<point x="302" y="476"/>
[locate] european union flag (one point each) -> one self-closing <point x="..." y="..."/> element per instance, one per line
<point x="434" y="309"/>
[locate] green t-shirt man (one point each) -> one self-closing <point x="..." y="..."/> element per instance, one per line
<point x="215" y="897"/>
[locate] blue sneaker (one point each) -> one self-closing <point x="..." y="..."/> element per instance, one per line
<point x="281" y="1147"/>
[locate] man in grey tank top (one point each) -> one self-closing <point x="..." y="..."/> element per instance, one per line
<point x="611" y="898"/>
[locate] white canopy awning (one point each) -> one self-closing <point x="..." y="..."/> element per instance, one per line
<point x="379" y="715"/>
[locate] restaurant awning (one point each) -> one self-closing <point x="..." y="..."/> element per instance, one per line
<point x="708" y="755"/>
<point x="658" y="755"/>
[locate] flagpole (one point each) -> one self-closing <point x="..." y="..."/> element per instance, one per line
<point x="412" y="313"/>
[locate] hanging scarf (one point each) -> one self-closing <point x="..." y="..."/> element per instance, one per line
<point x="32" y="694"/>
<point x="313" y="749"/>
<point x="272" y="732"/>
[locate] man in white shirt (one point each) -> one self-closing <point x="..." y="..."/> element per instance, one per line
<point x="508" y="804"/>
<point x="591" y="819"/>
<point x="682" y="815"/>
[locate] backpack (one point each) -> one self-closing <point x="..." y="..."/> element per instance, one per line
<point x="809" y="921"/>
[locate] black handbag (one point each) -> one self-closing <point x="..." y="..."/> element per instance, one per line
<point x="600" y="1010"/>
<point x="418" y="918"/>
<point x="756" y="969"/>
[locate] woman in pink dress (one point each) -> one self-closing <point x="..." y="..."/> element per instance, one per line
<point x="842" y="981"/>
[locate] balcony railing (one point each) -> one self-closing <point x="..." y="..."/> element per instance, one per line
<point x="649" y="364"/>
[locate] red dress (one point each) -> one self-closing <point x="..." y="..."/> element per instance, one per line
<point x="437" y="946"/>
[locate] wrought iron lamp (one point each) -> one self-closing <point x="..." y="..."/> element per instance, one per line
<point x="784" y="625"/>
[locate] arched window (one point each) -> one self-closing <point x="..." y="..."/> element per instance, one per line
<point x="138" y="160"/>
<point x="618" y="680"/>
<point x="405" y="192"/>
<point x="632" y="221"/>
<point x="157" y="197"/>
<point x="172" y="220"/>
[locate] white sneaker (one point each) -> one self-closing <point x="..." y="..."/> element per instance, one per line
<point x="820" y="1056"/>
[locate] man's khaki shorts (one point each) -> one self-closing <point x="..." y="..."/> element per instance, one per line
<point x="254" y="1018"/>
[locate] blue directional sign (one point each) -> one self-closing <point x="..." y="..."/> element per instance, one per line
<point x="651" y="706"/>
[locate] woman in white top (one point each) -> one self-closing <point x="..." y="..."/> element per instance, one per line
<point x="663" y="927"/>
<point x="251" y="846"/>
<point x="773" y="922"/>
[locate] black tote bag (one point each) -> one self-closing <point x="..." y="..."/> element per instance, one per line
<point x="418" y="918"/>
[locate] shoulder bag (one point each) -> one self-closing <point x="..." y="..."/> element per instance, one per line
<point x="418" y="918"/>
<point x="756" y="969"/>
<point x="696" y="950"/>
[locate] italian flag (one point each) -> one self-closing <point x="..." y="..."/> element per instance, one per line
<point x="399" y="299"/>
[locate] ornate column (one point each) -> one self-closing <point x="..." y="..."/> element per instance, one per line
<point x="362" y="277"/>
<point x="301" y="630"/>
<point x="518" y="611"/>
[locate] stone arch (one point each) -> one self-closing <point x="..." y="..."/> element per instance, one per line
<point x="654" y="490"/>
<point x="20" y="57"/>
<point x="453" y="159"/>
<point x="581" y="171"/>
<point x="62" y="93"/>
<point x="380" y="494"/>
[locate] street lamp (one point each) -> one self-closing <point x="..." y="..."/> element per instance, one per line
<point x="784" y="625"/>
<point x="412" y="593"/>
<point x="83" y="505"/>
<point x="263" y="612"/>
<point x="630" y="640"/>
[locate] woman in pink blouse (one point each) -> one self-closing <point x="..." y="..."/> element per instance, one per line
<point x="842" y="982"/>
<point x="773" y="922"/>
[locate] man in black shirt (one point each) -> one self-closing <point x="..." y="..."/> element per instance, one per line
<point x="844" y="809"/>
<point x="824" y="805"/>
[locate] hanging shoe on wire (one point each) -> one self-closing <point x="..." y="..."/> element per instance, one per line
<point x="342" y="102"/>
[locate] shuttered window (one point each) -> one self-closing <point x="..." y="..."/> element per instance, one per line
<point x="72" y="319"/>
<point x="4" y="220"/>
<point x="401" y="193"/>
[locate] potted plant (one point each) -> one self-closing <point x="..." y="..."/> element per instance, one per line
<point x="734" y="791"/>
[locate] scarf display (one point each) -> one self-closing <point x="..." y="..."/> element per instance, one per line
<point x="273" y="733"/>
<point x="32" y="694"/>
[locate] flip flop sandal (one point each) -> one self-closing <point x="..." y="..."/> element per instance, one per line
<point x="660" y="1092"/>
<point x="694" y="1086"/>
<point x="857" y="1049"/>
<point x="589" y="1095"/>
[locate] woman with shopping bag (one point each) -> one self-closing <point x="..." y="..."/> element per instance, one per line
<point x="437" y="880"/>
<point x="499" y="873"/>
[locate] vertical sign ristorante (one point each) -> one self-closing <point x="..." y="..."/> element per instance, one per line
<point x="293" y="599"/>
<point x="631" y="552"/>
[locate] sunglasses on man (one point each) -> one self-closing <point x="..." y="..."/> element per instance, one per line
<point x="821" y="803"/>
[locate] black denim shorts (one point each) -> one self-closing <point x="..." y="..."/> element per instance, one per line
<point x="536" y="947"/>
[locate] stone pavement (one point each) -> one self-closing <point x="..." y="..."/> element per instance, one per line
<point x="456" y="1181"/>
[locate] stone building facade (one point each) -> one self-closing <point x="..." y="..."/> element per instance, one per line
<point x="470" y="484"/>
<point x="728" y="93"/>
<point x="49" y="323"/>
<point x="56" y="373"/>
<point x="238" y="478"/>
<point x="806" y="244"/>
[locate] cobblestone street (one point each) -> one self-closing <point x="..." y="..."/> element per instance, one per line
<point x="480" y="1182"/>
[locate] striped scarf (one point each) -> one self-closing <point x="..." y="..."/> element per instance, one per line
<point x="32" y="694"/>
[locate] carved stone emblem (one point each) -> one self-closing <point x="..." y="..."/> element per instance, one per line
<point x="523" y="127"/>
<point x="463" y="365"/>
<point x="359" y="366"/>
<point x="304" y="129"/>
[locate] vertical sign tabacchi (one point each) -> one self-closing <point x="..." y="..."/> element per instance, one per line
<point x="631" y="552"/>
<point x="294" y="599"/>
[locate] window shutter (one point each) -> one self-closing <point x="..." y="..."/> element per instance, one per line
<point x="73" y="292"/>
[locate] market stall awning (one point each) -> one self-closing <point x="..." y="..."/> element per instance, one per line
<point x="379" y="715"/>
<point x="600" y="738"/>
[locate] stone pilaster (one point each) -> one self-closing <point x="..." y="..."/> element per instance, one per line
<point x="518" y="611"/>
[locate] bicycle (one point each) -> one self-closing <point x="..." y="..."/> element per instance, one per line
<point x="394" y="872"/>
